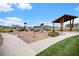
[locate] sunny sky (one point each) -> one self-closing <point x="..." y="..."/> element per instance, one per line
<point x="36" y="13"/>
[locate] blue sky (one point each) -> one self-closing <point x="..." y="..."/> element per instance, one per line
<point x="35" y="13"/>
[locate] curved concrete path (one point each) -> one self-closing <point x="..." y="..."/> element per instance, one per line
<point x="45" y="43"/>
<point x="14" y="46"/>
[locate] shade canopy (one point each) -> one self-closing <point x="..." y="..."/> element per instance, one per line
<point x="65" y="17"/>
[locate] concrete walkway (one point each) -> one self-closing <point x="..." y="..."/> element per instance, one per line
<point x="16" y="47"/>
<point x="13" y="46"/>
<point x="43" y="44"/>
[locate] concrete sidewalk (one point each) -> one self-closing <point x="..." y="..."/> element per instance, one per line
<point x="45" y="43"/>
<point x="14" y="46"/>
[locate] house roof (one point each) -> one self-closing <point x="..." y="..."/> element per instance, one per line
<point x="65" y="17"/>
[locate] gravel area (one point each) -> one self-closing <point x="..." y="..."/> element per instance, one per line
<point x="29" y="36"/>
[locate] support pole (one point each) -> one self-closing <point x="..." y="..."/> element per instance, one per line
<point x="73" y="23"/>
<point x="61" y="24"/>
<point x="70" y="26"/>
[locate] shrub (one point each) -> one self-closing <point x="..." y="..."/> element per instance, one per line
<point x="53" y="34"/>
<point x="6" y="30"/>
<point x="32" y="29"/>
<point x="22" y="30"/>
<point x="11" y="31"/>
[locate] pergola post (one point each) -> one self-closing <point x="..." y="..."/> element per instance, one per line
<point x="73" y="23"/>
<point x="70" y="26"/>
<point x="61" y="22"/>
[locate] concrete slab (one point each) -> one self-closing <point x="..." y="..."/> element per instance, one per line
<point x="12" y="45"/>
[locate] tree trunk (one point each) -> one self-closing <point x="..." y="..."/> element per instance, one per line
<point x="34" y="33"/>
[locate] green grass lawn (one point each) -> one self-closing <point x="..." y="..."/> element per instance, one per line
<point x="67" y="47"/>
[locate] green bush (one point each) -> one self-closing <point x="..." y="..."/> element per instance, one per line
<point x="23" y="30"/>
<point x="32" y="29"/>
<point x="6" y="30"/>
<point x="35" y="30"/>
<point x="11" y="31"/>
<point x="53" y="34"/>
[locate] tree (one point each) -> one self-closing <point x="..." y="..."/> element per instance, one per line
<point x="25" y="23"/>
<point x="53" y="27"/>
<point x="42" y="26"/>
<point x="34" y="31"/>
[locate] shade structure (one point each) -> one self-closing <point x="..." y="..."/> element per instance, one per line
<point x="65" y="18"/>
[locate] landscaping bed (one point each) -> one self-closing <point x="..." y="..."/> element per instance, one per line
<point x="29" y="37"/>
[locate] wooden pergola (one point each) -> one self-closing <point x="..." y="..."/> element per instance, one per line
<point x="65" y="18"/>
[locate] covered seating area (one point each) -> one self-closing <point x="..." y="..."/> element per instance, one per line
<point x="63" y="19"/>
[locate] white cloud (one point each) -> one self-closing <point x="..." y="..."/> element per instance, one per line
<point x="24" y="6"/>
<point x="12" y="20"/>
<point x="77" y="8"/>
<point x="5" y="7"/>
<point x="1" y="20"/>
